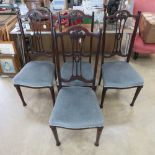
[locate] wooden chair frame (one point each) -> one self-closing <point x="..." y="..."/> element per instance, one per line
<point x="76" y="32"/>
<point x="35" y="16"/>
<point x="120" y="18"/>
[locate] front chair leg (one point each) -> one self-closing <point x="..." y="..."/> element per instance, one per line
<point x="54" y="130"/>
<point x="20" y="94"/>
<point x="103" y="96"/>
<point x="98" y="135"/>
<point x="136" y="94"/>
<point x="53" y="94"/>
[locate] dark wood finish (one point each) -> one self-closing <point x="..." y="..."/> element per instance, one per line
<point x="98" y="135"/>
<point x="135" y="55"/>
<point x="33" y="46"/>
<point x="54" y="130"/>
<point x="119" y="21"/>
<point x="103" y="96"/>
<point x="136" y="94"/>
<point x="77" y="36"/>
<point x="53" y="94"/>
<point x="20" y="94"/>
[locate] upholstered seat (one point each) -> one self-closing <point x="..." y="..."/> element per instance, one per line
<point x="36" y="74"/>
<point x="120" y="74"/>
<point x="86" y="69"/>
<point x="75" y="108"/>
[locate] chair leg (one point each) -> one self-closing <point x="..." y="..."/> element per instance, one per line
<point x="54" y="130"/>
<point x="98" y="135"/>
<point x="20" y="94"/>
<point x="53" y="94"/>
<point x="136" y="94"/>
<point x="135" y="55"/>
<point x="100" y="78"/>
<point x="103" y="96"/>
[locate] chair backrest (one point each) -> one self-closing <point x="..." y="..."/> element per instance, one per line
<point x="76" y="17"/>
<point x="77" y="38"/>
<point x="124" y="34"/>
<point x="36" y="42"/>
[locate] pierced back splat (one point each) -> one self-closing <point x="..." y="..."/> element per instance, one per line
<point x="77" y="36"/>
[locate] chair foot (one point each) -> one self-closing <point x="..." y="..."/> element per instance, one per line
<point x="20" y="94"/>
<point x="58" y="144"/>
<point x="131" y="105"/>
<point x="96" y="144"/>
<point x="101" y="106"/>
<point x="135" y="55"/>
<point x="54" y="130"/>
<point x="136" y="94"/>
<point x="98" y="135"/>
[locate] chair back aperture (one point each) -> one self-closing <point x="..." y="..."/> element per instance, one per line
<point x="125" y="27"/>
<point x="36" y="40"/>
<point x="76" y="17"/>
<point x="77" y="54"/>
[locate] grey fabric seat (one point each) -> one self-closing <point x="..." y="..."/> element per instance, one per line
<point x="86" y="69"/>
<point x="120" y="74"/>
<point x="76" y="108"/>
<point x="36" y="74"/>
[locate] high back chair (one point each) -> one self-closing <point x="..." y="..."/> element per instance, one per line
<point x="117" y="73"/>
<point x="38" y="72"/>
<point x="76" y="107"/>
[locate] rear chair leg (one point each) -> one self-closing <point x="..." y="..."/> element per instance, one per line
<point x="135" y="55"/>
<point x="135" y="96"/>
<point x="103" y="96"/>
<point x="100" y="78"/>
<point x="20" y="94"/>
<point x="54" y="130"/>
<point x="98" y="135"/>
<point x="53" y="94"/>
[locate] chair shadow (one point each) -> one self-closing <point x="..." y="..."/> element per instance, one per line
<point x="116" y="109"/>
<point x="39" y="105"/>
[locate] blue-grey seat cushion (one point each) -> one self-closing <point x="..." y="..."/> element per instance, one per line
<point x="86" y="69"/>
<point x="76" y="107"/>
<point x="120" y="74"/>
<point x="36" y="74"/>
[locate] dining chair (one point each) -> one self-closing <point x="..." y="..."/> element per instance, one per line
<point x="38" y="72"/>
<point x="76" y="107"/>
<point x="116" y="72"/>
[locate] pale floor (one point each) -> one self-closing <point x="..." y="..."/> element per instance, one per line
<point x="128" y="131"/>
